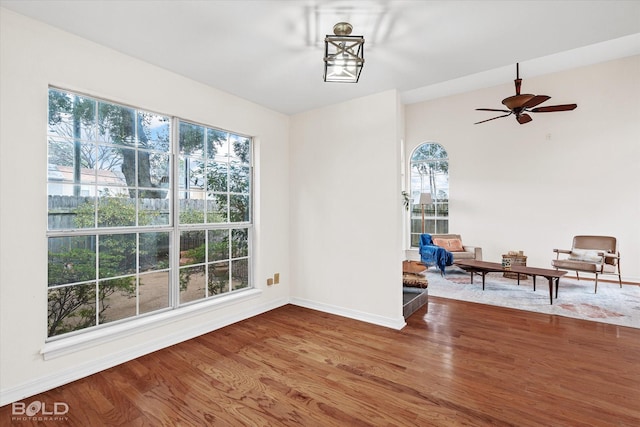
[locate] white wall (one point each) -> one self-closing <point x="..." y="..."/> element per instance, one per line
<point x="33" y="56"/>
<point x="346" y="244"/>
<point x="532" y="187"/>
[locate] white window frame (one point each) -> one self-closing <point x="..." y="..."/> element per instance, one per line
<point x="68" y="342"/>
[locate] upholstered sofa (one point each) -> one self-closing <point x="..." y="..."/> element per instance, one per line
<point x="454" y="244"/>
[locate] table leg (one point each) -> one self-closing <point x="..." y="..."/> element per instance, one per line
<point x="472" y="277"/>
<point x="518" y="278"/>
<point x="551" y="290"/>
<point x="557" y="283"/>
<point x="484" y="273"/>
<point x="534" y="283"/>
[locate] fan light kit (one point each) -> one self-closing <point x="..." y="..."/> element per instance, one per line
<point x="343" y="55"/>
<point x="521" y="104"/>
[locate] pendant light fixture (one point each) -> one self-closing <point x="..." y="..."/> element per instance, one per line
<point x="343" y="55"/>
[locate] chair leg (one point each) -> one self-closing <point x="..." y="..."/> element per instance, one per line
<point x="619" y="276"/>
<point x="578" y="276"/>
<point x="596" y="291"/>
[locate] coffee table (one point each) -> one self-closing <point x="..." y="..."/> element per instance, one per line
<point x="484" y="267"/>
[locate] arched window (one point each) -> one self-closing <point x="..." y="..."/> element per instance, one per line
<point x="429" y="172"/>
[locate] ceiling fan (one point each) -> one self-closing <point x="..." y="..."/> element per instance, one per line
<point x="521" y="104"/>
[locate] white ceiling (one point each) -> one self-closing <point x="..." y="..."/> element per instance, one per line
<point x="270" y="52"/>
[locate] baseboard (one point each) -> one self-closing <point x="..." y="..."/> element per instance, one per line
<point x="387" y="322"/>
<point x="77" y="372"/>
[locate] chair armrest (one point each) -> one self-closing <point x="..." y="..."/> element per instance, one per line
<point x="561" y="251"/>
<point x="609" y="255"/>
<point x="477" y="251"/>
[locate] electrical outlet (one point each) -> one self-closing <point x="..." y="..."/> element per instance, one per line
<point x="276" y="278"/>
<point x="269" y="281"/>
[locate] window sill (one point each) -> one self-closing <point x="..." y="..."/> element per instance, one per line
<point x="64" y="346"/>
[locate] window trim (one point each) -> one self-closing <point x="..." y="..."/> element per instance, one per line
<point x="65" y="345"/>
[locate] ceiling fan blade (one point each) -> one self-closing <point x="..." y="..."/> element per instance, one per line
<point x="493" y="109"/>
<point x="536" y="100"/>
<point x="524" y="118"/>
<point x="488" y="120"/>
<point x="552" y="108"/>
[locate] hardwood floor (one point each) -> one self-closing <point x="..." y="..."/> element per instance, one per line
<point x="459" y="364"/>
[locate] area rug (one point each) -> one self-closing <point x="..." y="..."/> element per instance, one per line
<point x="612" y="304"/>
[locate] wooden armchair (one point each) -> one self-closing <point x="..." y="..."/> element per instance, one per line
<point x="590" y="254"/>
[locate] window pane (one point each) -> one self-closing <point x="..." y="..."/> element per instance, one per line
<point x="71" y="161"/>
<point x="154" y="251"/>
<point x="192" y="174"/>
<point x="416" y="225"/>
<point x="238" y="208"/>
<point x="443" y="209"/>
<point x="153" y="172"/>
<point x="71" y="116"/>
<point x="154" y="291"/>
<point x="116" y="124"/>
<point x="239" y="179"/>
<point x="153" y="131"/>
<point x="217" y="208"/>
<point x="192" y="205"/>
<point x="116" y="255"/>
<point x="217" y="144"/>
<point x="429" y="151"/>
<point x="430" y="226"/>
<point x="154" y="211"/>
<point x="113" y="163"/>
<point x="240" y="149"/>
<point x="117" y="299"/>
<point x="192" y="284"/>
<point x="240" y="243"/>
<point x="218" y="245"/>
<point x="109" y="162"/>
<point x="117" y="209"/>
<point x="64" y="208"/>
<point x="240" y="276"/>
<point x="71" y="259"/>
<point x="192" y="247"/>
<point x="191" y="139"/>
<point x="218" y="278"/>
<point x="71" y="308"/>
<point x="217" y="176"/>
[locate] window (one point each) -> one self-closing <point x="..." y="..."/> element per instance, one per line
<point x="429" y="172"/>
<point x="129" y="232"/>
<point x="214" y="196"/>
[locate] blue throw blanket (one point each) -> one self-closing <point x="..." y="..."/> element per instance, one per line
<point x="431" y="254"/>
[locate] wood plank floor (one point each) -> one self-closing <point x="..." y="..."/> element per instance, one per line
<point x="457" y="364"/>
